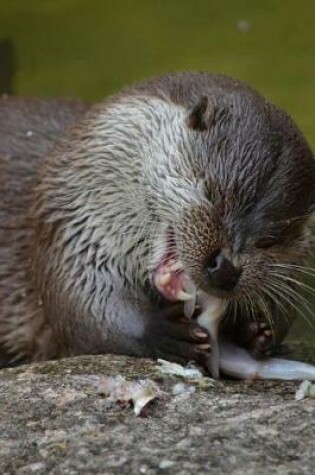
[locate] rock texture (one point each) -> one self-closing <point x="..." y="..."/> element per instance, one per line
<point x="53" y="420"/>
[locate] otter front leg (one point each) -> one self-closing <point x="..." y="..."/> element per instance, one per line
<point x="257" y="337"/>
<point x="261" y="334"/>
<point x="134" y="326"/>
<point x="149" y="331"/>
<point x="172" y="336"/>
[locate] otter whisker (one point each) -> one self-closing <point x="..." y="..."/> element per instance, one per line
<point x="287" y="294"/>
<point x="297" y="302"/>
<point x="235" y="307"/>
<point x="306" y="287"/>
<point x="272" y="294"/>
<point x="296" y="268"/>
<point x="285" y="278"/>
<point x="266" y="311"/>
<point x="275" y="296"/>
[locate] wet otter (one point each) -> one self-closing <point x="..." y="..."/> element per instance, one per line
<point x="189" y="177"/>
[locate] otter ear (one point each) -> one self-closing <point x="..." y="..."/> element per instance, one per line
<point x="202" y="115"/>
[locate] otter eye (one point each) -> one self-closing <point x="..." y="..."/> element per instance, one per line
<point x="267" y="242"/>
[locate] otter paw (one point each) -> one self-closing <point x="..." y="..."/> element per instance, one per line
<point x="174" y="337"/>
<point x="259" y="339"/>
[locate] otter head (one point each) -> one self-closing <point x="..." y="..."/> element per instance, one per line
<point x="237" y="199"/>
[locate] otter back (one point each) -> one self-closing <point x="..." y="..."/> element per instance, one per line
<point x="28" y="130"/>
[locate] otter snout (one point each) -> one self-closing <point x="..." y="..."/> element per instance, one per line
<point x="220" y="272"/>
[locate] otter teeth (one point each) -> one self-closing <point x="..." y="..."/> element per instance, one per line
<point x="182" y="295"/>
<point x="172" y="282"/>
<point x="164" y="278"/>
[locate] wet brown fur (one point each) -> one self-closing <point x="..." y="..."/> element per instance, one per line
<point x="28" y="273"/>
<point x="28" y="130"/>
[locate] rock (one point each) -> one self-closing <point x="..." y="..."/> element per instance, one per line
<point x="53" y="420"/>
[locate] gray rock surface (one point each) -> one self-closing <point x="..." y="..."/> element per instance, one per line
<point x="53" y="420"/>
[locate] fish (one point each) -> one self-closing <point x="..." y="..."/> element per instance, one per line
<point x="231" y="360"/>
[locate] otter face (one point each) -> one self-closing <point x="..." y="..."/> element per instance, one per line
<point x="249" y="232"/>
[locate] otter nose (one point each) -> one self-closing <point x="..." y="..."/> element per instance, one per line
<point x="221" y="273"/>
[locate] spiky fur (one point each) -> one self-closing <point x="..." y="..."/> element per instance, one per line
<point x="77" y="261"/>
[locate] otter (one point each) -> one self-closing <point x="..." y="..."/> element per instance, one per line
<point x="109" y="212"/>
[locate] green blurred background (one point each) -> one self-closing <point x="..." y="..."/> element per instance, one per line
<point x="90" y="48"/>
